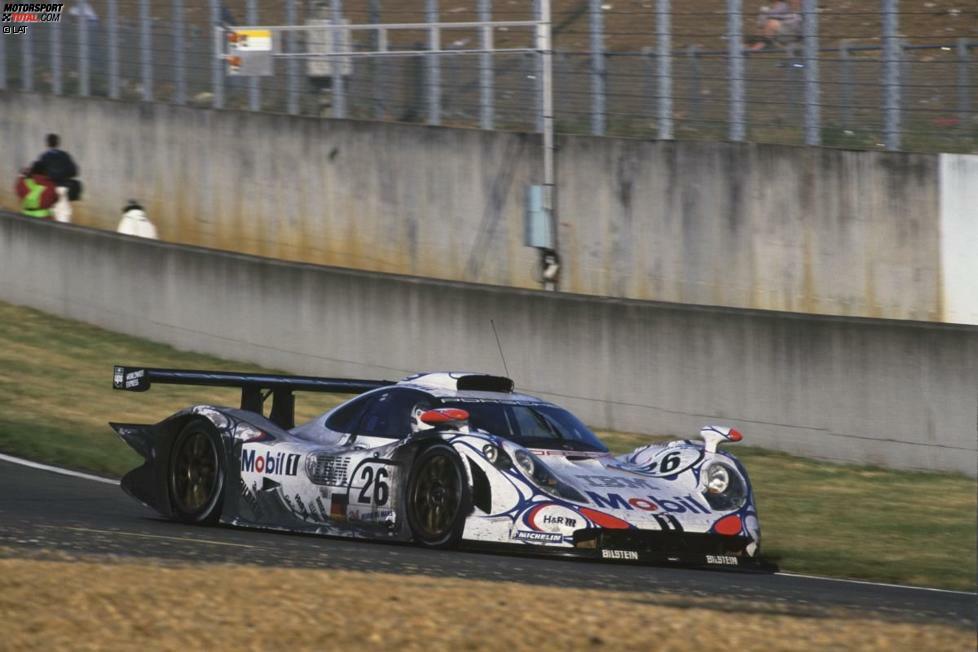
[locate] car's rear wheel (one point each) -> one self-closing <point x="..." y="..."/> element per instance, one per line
<point x="196" y="473"/>
<point x="438" y="497"/>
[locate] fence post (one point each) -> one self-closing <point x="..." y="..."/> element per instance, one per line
<point x="695" y="89"/>
<point x="663" y="23"/>
<point x="112" y="18"/>
<point x="813" y="118"/>
<point x="217" y="64"/>
<point x="57" y="77"/>
<point x="179" y="56"/>
<point x="846" y="76"/>
<point x="598" y="63"/>
<point x="433" y="78"/>
<point x="650" y="81"/>
<point x="891" y="75"/>
<point x="964" y="89"/>
<point x="377" y="64"/>
<point x="26" y="64"/>
<point x="291" y="63"/>
<point x="84" y="76"/>
<point x="339" y="84"/>
<point x="3" y="63"/>
<point x="485" y="68"/>
<point x="146" y="50"/>
<point x="735" y="50"/>
<point x="540" y="69"/>
<point x="254" y="82"/>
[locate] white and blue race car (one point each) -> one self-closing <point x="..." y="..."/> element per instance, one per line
<point x="439" y="459"/>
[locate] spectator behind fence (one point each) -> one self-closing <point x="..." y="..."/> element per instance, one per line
<point x="61" y="168"/>
<point x="780" y="25"/>
<point x="135" y="222"/>
<point x="36" y="192"/>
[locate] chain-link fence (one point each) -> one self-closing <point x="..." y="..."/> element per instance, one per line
<point x="890" y="74"/>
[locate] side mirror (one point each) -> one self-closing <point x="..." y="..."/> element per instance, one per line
<point x="445" y="417"/>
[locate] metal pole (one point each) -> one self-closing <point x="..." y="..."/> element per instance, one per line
<point x="113" y="21"/>
<point x="663" y="31"/>
<point x="891" y="75"/>
<point x="217" y="64"/>
<point x="57" y="78"/>
<point x="377" y="64"/>
<point x="339" y="87"/>
<point x="650" y="81"/>
<point x="813" y="118"/>
<point x="537" y="72"/>
<point x="695" y="92"/>
<point x="146" y="49"/>
<point x="486" y="72"/>
<point x="433" y="79"/>
<point x="3" y="63"/>
<point x="964" y="91"/>
<point x="545" y="47"/>
<point x="254" y="82"/>
<point x="179" y="56"/>
<point x="26" y="64"/>
<point x="84" y="77"/>
<point x="598" y="109"/>
<point x="292" y="64"/>
<point x="846" y="82"/>
<point x="735" y="50"/>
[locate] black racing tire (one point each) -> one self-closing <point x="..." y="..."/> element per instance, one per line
<point x="438" y="497"/>
<point x="195" y="473"/>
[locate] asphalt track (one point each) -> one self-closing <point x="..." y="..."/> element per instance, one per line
<point x="43" y="510"/>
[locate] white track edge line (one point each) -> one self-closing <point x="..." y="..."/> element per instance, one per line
<point x="892" y="586"/>
<point x="55" y="469"/>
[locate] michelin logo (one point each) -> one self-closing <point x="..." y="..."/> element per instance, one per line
<point x="539" y="537"/>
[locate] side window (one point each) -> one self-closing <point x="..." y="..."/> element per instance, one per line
<point x="347" y="417"/>
<point x="390" y="414"/>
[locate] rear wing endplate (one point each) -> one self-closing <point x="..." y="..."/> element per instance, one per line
<point x="255" y="388"/>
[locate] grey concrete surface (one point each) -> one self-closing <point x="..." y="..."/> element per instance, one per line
<point x="893" y="393"/>
<point x="752" y="226"/>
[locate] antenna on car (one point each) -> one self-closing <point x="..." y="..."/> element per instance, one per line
<point x="505" y="368"/>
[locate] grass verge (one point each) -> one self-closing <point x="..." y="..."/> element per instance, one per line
<point x="340" y="610"/>
<point x="917" y="528"/>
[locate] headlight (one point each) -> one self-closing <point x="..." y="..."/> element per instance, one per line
<point x="545" y="478"/>
<point x="525" y="460"/>
<point x="497" y="456"/>
<point x="717" y="479"/>
<point x="723" y="488"/>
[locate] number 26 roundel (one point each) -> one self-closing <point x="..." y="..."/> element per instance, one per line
<point x="371" y="485"/>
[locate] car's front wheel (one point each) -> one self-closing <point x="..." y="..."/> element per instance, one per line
<point x="196" y="473"/>
<point x="438" y="497"/>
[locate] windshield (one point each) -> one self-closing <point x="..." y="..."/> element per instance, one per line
<point x="533" y="426"/>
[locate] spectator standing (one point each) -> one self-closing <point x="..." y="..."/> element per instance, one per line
<point x="135" y="222"/>
<point x="61" y="168"/>
<point x="36" y="192"/>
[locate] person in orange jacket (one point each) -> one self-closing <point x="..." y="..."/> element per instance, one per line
<point x="36" y="192"/>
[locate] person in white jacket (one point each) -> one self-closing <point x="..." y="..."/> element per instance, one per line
<point x="134" y="222"/>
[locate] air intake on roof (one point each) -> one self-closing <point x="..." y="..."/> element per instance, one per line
<point x="482" y="383"/>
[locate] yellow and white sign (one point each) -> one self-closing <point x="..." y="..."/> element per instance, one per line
<point x="252" y="40"/>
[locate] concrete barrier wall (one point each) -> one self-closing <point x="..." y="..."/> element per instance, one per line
<point x="893" y="393"/>
<point x="754" y="226"/>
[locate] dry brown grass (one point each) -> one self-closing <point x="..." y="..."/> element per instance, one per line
<point x="54" y="605"/>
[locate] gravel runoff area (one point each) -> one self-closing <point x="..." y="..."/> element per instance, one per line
<point x="52" y="601"/>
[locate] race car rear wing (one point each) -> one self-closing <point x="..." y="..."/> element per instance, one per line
<point x="255" y="388"/>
